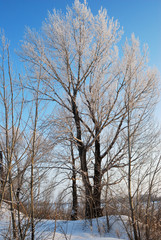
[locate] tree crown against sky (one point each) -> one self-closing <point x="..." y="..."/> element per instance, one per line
<point x="142" y="18"/>
<point x="96" y="89"/>
<point x="102" y="97"/>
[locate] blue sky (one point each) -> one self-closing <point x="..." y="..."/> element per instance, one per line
<point x="143" y="17"/>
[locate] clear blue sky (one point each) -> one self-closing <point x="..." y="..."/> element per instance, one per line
<point x="143" y="17"/>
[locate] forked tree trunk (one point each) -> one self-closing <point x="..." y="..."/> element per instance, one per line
<point x="92" y="196"/>
<point x="82" y="155"/>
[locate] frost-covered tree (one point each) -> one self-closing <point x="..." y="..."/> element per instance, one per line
<point x="9" y="124"/>
<point x="83" y="74"/>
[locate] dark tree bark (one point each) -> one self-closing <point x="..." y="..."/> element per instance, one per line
<point x="97" y="179"/>
<point x="74" y="187"/>
<point x="82" y="155"/>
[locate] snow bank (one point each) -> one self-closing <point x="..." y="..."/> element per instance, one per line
<point x="71" y="230"/>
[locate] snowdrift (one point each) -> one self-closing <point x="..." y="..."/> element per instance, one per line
<point x="71" y="230"/>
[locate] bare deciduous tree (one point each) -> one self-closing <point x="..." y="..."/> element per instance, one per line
<point x="83" y="75"/>
<point x="11" y="126"/>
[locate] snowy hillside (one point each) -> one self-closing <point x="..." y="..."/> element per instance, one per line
<point x="81" y="229"/>
<point x="70" y="230"/>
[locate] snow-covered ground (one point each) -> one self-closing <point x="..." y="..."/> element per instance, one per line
<point x="81" y="229"/>
<point x="72" y="230"/>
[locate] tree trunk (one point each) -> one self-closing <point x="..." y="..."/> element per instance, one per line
<point x="12" y="208"/>
<point x="32" y="204"/>
<point x="1" y="174"/>
<point x="18" y="209"/>
<point x="82" y="155"/>
<point x="131" y="203"/>
<point x="97" y="180"/>
<point x="74" y="188"/>
<point x="87" y="185"/>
